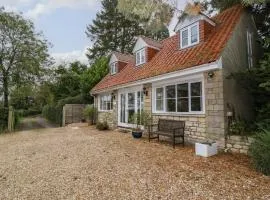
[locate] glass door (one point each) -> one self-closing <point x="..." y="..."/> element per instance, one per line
<point x="130" y="103"/>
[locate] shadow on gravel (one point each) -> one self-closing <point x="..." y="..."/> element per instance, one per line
<point x="35" y="122"/>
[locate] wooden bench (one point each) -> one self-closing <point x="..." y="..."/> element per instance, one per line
<point x="169" y="128"/>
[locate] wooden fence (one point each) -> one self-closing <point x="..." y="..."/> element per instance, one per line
<point x="73" y="113"/>
<point x="11" y="119"/>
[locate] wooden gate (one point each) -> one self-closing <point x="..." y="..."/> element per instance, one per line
<point x="73" y="113"/>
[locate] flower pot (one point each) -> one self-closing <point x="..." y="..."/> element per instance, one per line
<point x="137" y="134"/>
<point x="205" y="149"/>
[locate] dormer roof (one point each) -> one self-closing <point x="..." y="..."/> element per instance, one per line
<point x="143" y="42"/>
<point x="117" y="56"/>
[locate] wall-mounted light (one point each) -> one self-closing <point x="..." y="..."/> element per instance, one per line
<point x="211" y="75"/>
<point x="145" y="91"/>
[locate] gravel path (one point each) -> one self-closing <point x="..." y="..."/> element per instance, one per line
<point x="36" y="122"/>
<point x="82" y="163"/>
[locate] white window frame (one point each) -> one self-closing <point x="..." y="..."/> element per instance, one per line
<point x="250" y="49"/>
<point x="168" y="83"/>
<point x="100" y="108"/>
<point x="140" y="56"/>
<point x="113" y="68"/>
<point x="188" y="28"/>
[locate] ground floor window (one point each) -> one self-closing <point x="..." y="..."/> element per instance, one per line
<point x="106" y="102"/>
<point x="180" y="98"/>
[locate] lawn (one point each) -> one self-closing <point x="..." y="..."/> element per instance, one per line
<point x="83" y="163"/>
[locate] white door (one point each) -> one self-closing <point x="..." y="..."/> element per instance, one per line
<point x="130" y="102"/>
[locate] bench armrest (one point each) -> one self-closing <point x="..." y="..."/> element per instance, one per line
<point x="150" y="127"/>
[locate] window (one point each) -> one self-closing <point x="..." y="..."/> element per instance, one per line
<point x="180" y="98"/>
<point x="249" y="49"/>
<point x="189" y="36"/>
<point x="113" y="67"/>
<point x="170" y="98"/>
<point x="159" y="99"/>
<point x="106" y="102"/>
<point x="140" y="57"/>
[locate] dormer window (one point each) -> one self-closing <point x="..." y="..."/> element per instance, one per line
<point x="189" y="35"/>
<point x="140" y="57"/>
<point x="113" y="68"/>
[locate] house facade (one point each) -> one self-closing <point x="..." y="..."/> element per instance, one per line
<point x="184" y="77"/>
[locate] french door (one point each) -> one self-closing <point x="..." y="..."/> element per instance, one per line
<point x="130" y="102"/>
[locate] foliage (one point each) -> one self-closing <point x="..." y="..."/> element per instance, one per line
<point x="28" y="112"/>
<point x="23" y="53"/>
<point x="143" y="118"/>
<point x="53" y="113"/>
<point x="3" y="118"/>
<point x="90" y="112"/>
<point x="102" y="126"/>
<point x="112" y="31"/>
<point x="260" y="152"/>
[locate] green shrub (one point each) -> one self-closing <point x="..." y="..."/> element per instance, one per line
<point x="89" y="113"/>
<point x="29" y="112"/>
<point x="260" y="152"/>
<point x="53" y="113"/>
<point x="3" y="119"/>
<point x="102" y="126"/>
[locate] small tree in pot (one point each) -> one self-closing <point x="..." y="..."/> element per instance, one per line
<point x="139" y="121"/>
<point x="89" y="113"/>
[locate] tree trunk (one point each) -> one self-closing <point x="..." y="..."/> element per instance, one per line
<point x="5" y="87"/>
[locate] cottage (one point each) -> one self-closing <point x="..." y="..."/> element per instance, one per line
<point x="184" y="77"/>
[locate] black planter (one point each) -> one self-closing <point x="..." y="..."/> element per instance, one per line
<point x="137" y="134"/>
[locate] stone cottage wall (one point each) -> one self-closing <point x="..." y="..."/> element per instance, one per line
<point x="110" y="116"/>
<point x="239" y="144"/>
<point x="199" y="128"/>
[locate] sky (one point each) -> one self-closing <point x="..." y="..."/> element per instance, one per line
<point x="63" y="23"/>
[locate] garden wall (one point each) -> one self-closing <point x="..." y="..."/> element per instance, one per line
<point x="239" y="144"/>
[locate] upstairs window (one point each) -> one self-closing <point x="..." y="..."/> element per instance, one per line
<point x="106" y="103"/>
<point x="140" y="57"/>
<point x="189" y="36"/>
<point x="113" y="68"/>
<point x="249" y="49"/>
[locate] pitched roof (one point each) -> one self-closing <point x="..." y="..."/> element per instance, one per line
<point x="170" y="58"/>
<point x="152" y="42"/>
<point x="123" y="57"/>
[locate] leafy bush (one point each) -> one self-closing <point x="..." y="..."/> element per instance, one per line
<point x="53" y="113"/>
<point x="102" y="126"/>
<point x="29" y="112"/>
<point x="90" y="112"/>
<point x="260" y="152"/>
<point x="3" y="119"/>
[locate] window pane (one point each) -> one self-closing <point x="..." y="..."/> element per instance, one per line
<point x="171" y="105"/>
<point x="159" y="93"/>
<point x="143" y="56"/>
<point x="182" y="105"/>
<point x="196" y="104"/>
<point x="159" y="104"/>
<point x="182" y="90"/>
<point x="137" y="57"/>
<point x="184" y="38"/>
<point x="170" y="91"/>
<point x="196" y="89"/>
<point x="194" y="34"/>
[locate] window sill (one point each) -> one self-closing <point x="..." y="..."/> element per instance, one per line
<point x="191" y="114"/>
<point x="189" y="46"/>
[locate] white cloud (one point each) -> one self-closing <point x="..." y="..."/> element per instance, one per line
<point x="51" y="5"/>
<point x="68" y="57"/>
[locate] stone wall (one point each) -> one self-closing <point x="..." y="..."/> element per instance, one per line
<point x="110" y="116"/>
<point x="239" y="144"/>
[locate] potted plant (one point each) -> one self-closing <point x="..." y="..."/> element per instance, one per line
<point x="139" y="120"/>
<point x="89" y="113"/>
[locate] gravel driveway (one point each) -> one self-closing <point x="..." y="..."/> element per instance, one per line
<point x="82" y="163"/>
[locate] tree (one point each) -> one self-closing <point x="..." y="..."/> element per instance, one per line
<point x="157" y="13"/>
<point x="23" y="53"/>
<point x="112" y="31"/>
<point x="93" y="75"/>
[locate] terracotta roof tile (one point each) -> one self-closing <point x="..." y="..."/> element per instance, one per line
<point x="170" y="58"/>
